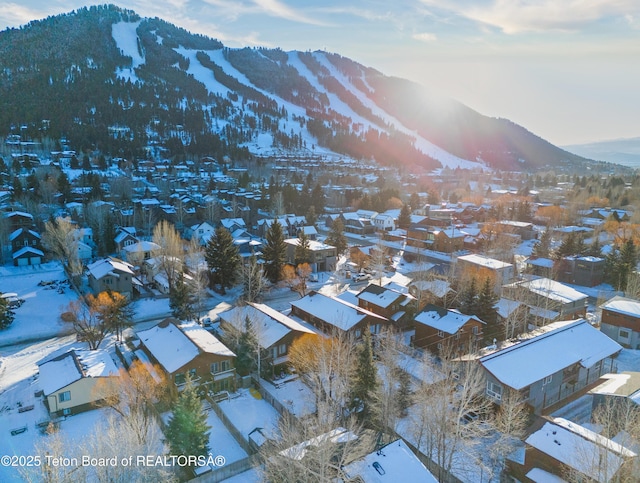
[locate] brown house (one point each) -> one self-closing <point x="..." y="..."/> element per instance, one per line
<point x="621" y="321"/>
<point x="447" y="240"/>
<point x="274" y="331"/>
<point x="386" y="302"/>
<point x="330" y="313"/>
<point x="439" y="329"/>
<point x="565" y="449"/>
<point x="190" y="349"/>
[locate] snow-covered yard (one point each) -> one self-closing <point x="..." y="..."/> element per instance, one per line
<point x="248" y="413"/>
<point x="628" y="360"/>
<point x="293" y="395"/>
<point x="39" y="315"/>
<point x="221" y="442"/>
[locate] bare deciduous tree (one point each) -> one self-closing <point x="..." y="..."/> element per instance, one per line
<point x="170" y="254"/>
<point x="59" y="239"/>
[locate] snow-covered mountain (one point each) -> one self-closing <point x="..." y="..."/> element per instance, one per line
<point x="142" y="86"/>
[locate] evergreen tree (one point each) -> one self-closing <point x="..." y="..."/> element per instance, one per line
<point x="312" y="216"/>
<point x="303" y="251"/>
<point x="414" y="201"/>
<point x="317" y="198"/>
<point x="245" y="350"/>
<point x="181" y="300"/>
<point x="188" y="432"/>
<point x="336" y="237"/>
<point x="627" y="263"/>
<point x="567" y="247"/>
<point x="274" y="252"/>
<point x="404" y="219"/>
<point x="403" y="396"/>
<point x="223" y="259"/>
<point x="595" y="249"/>
<point x="468" y="299"/>
<point x="486" y="310"/>
<point x="542" y="247"/>
<point x="64" y="187"/>
<point x="365" y="379"/>
<point x="6" y="314"/>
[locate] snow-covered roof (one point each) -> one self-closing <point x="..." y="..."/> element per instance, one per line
<point x="392" y="463"/>
<point x="142" y="246"/>
<point x="625" y="384"/>
<point x="623" y="305"/>
<point x="25" y="250"/>
<point x="553" y="290"/>
<point x="15" y="234"/>
<point x="483" y="261"/>
<point x="205" y="340"/>
<point x="102" y="267"/>
<point x="169" y="345"/>
<point x="72" y="366"/>
<point x="439" y="288"/>
<point x="380" y="296"/>
<point x="268" y="324"/>
<point x="447" y="320"/>
<point x="580" y="449"/>
<point x="540" y="262"/>
<point x="505" y="307"/>
<point x="531" y="360"/>
<point x="314" y="245"/>
<point x="334" y="311"/>
<point x="538" y="475"/>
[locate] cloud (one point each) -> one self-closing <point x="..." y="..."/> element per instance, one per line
<point x="281" y="10"/>
<point x="518" y="16"/>
<point x="425" y="37"/>
<point x="15" y="15"/>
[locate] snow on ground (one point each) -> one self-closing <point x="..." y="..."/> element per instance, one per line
<point x="446" y="158"/>
<point x="202" y="73"/>
<point x="248" y="413"/>
<point x="39" y="315"/>
<point x="578" y="411"/>
<point x="126" y="37"/>
<point x="150" y="308"/>
<point x="293" y="395"/>
<point x="628" y="360"/>
<point x="221" y="442"/>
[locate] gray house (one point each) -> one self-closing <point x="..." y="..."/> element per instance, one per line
<point x="557" y="363"/>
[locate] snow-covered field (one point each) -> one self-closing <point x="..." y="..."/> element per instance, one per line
<point x="39" y="315"/>
<point x="248" y="413"/>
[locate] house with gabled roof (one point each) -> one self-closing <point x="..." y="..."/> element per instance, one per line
<point x="274" y="331"/>
<point x="550" y="365"/>
<point x="188" y="349"/>
<point x="125" y="236"/>
<point x="563" y="449"/>
<point x="68" y="381"/>
<point x="331" y="313"/>
<point x="441" y="330"/>
<point x="389" y="303"/>
<point x="111" y="274"/>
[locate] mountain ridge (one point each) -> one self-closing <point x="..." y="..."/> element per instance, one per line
<point x="188" y="94"/>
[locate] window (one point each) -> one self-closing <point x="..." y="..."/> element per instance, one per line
<point x="282" y="349"/>
<point x="179" y="379"/>
<point x="494" y="390"/>
<point x="64" y="396"/>
<point x="457" y="335"/>
<point x="225" y="366"/>
<point x="476" y="330"/>
<point x="214" y="368"/>
<point x="193" y="374"/>
<point x="66" y="412"/>
<point x="358" y="333"/>
<point x="440" y="333"/>
<point x="439" y="346"/>
<point x="624" y="334"/>
<point x="547" y="380"/>
<point x="374" y="329"/>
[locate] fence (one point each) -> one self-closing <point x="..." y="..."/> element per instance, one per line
<point x="230" y="426"/>
<point x="266" y="395"/>
<point x="228" y="470"/>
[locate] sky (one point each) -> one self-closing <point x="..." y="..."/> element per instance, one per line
<point x="567" y="70"/>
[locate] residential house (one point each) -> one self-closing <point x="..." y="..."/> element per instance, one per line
<point x="74" y="381"/>
<point x="202" y="232"/>
<point x="125" y="236"/>
<point x="136" y="253"/>
<point x="25" y="247"/>
<point x="384" y="222"/>
<point x="188" y="349"/>
<point x="621" y="389"/>
<point x="111" y="274"/>
<point x="522" y="229"/>
<point x="584" y="271"/>
<point x="445" y="330"/>
<point x="323" y="256"/>
<point x="563" y="449"/>
<point x="19" y="219"/>
<point x="437" y="292"/>
<point x="482" y="267"/>
<point x="274" y="331"/>
<point x="550" y="365"/>
<point x="358" y="222"/>
<point x="233" y="224"/>
<point x="388" y="303"/>
<point x="621" y="321"/>
<point x="330" y="313"/>
<point x="548" y="300"/>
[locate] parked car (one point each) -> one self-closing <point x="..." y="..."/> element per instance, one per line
<point x="361" y="277"/>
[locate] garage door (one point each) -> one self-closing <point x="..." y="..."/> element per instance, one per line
<point x="35" y="260"/>
<point x="23" y="262"/>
